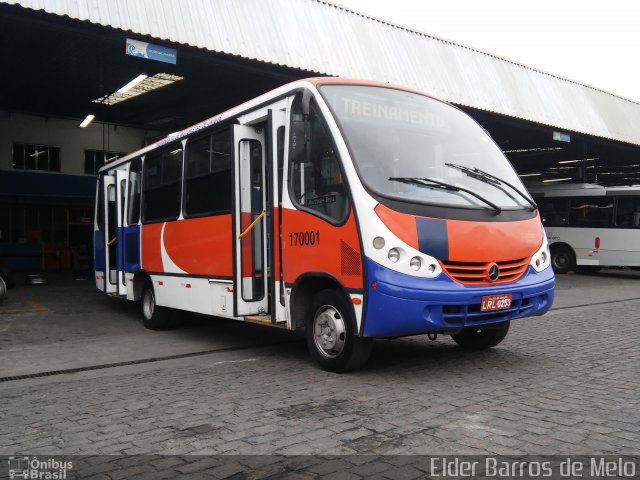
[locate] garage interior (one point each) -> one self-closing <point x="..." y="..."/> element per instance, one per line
<point x="56" y="67"/>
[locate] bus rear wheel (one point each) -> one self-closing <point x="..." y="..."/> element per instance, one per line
<point x="562" y="259"/>
<point x="153" y="316"/>
<point x="331" y="336"/>
<point x="481" y="339"/>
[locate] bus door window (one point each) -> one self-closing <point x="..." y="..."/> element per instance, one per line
<point x="280" y="150"/>
<point x="251" y="208"/>
<point x="111" y="232"/>
<point x="316" y="181"/>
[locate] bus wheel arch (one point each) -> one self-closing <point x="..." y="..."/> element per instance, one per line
<point x="563" y="258"/>
<point x="140" y="279"/>
<point x="322" y="306"/>
<point x="303" y="291"/>
<point x="154" y="317"/>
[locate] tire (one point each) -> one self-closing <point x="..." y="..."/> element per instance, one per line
<point x="481" y="339"/>
<point x="331" y="335"/>
<point x="563" y="260"/>
<point x="153" y="316"/>
<point x="7" y="276"/>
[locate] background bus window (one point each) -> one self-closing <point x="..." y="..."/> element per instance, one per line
<point x="207" y="186"/>
<point x="591" y="212"/>
<point x="628" y="212"/>
<point x="162" y="178"/>
<point x="554" y="211"/>
<point x="316" y="181"/>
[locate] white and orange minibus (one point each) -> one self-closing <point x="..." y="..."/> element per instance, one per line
<point x="346" y="208"/>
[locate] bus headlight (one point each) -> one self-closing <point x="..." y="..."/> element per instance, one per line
<point x="541" y="259"/>
<point x="394" y="255"/>
<point x="378" y="242"/>
<point x="415" y="263"/>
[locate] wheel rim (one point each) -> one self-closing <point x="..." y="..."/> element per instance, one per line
<point x="329" y="331"/>
<point x="148" y="304"/>
<point x="561" y="260"/>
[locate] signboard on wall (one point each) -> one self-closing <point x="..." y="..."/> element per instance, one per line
<point x="159" y="53"/>
<point x="561" y="137"/>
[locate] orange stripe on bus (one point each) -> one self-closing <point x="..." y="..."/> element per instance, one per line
<point x="493" y="241"/>
<point x="335" y="250"/>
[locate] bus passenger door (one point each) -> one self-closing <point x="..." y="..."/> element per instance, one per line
<point x="121" y="200"/>
<point x="113" y="207"/>
<point x="251" y="269"/>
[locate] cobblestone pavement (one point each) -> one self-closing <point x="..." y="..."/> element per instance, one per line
<point x="565" y="383"/>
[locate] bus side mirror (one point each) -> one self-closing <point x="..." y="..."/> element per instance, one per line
<point x="300" y="144"/>
<point x="297" y="139"/>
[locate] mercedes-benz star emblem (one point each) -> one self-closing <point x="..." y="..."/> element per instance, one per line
<point x="493" y="272"/>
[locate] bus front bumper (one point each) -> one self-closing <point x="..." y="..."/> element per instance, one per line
<point x="402" y="305"/>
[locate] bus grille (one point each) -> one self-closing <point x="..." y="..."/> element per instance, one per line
<point x="475" y="273"/>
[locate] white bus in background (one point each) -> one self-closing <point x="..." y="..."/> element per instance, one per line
<point x="590" y="226"/>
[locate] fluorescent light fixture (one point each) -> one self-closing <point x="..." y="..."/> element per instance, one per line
<point x="556" y="179"/>
<point x="87" y="120"/>
<point x="579" y="160"/>
<point x="138" y="86"/>
<point x="529" y="174"/>
<point x="132" y="83"/>
<point x="537" y="149"/>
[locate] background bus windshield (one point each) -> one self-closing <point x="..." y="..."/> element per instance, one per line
<point x="402" y="135"/>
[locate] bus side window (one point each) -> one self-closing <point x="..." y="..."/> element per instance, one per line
<point x="628" y="212"/>
<point x="100" y="204"/>
<point x="591" y="212"/>
<point x="135" y="177"/>
<point x="162" y="185"/>
<point x="553" y="211"/>
<point x="207" y="184"/>
<point x="315" y="180"/>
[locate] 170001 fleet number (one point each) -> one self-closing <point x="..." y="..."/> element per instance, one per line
<point x="304" y="239"/>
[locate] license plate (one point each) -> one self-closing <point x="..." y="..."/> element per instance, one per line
<point x="495" y="302"/>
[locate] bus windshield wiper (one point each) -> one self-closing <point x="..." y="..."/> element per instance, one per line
<point x="430" y="182"/>
<point x="492" y="180"/>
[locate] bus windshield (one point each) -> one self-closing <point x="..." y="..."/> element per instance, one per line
<point x="403" y="144"/>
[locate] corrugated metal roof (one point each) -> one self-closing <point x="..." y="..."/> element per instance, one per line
<point x="322" y="37"/>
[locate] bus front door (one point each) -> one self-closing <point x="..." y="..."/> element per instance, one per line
<point x="251" y="270"/>
<point x="113" y="195"/>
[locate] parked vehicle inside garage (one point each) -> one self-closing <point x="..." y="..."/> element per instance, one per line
<point x="351" y="209"/>
<point x="591" y="226"/>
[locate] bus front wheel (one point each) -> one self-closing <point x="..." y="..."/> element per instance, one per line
<point x="153" y="316"/>
<point x="562" y="259"/>
<point x="331" y="336"/>
<point x="479" y="338"/>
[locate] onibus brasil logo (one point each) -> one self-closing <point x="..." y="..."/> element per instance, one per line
<point x="34" y="468"/>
